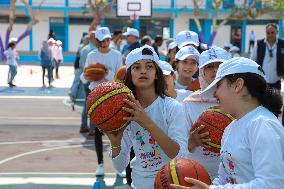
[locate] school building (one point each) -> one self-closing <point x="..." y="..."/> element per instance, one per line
<point x="70" y="18"/>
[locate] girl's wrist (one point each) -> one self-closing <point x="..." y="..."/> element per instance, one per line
<point x="115" y="146"/>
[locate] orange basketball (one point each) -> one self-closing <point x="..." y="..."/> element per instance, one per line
<point x="120" y="74"/>
<point x="194" y="85"/>
<point x="215" y="123"/>
<point x="95" y="72"/>
<point x="104" y="106"/>
<point x="175" y="172"/>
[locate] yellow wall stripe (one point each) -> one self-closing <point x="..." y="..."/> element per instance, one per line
<point x="174" y="171"/>
<point x="106" y="96"/>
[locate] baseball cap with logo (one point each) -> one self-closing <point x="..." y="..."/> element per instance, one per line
<point x="233" y="66"/>
<point x="131" y="31"/>
<point x="166" y="67"/>
<point x="139" y="54"/>
<point x="187" y="51"/>
<point x="103" y="33"/>
<point x="184" y="38"/>
<point x="214" y="54"/>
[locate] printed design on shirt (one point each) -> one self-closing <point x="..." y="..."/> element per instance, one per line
<point x="148" y="149"/>
<point x="139" y="138"/>
<point x="207" y="152"/>
<point x="229" y="167"/>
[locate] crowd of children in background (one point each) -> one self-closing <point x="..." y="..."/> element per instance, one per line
<point x="169" y="95"/>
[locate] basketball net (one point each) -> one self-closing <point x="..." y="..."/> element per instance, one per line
<point x="134" y="17"/>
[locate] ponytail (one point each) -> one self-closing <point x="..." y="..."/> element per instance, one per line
<point x="272" y="100"/>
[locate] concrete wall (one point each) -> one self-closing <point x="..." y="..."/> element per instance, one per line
<point x="181" y="22"/>
<point x="75" y="34"/>
<point x="223" y="36"/>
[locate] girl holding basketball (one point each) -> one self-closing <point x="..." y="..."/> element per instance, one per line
<point x="157" y="130"/>
<point x="195" y="104"/>
<point x="252" y="147"/>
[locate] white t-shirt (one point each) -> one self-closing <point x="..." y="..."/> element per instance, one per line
<point x="111" y="60"/>
<point x="11" y="57"/>
<point x="252" y="153"/>
<point x="209" y="160"/>
<point x="168" y="115"/>
<point x="182" y="94"/>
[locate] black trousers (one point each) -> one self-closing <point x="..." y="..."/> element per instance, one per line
<point x="99" y="145"/>
<point x="128" y="169"/>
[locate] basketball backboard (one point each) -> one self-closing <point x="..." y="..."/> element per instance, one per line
<point x="140" y="8"/>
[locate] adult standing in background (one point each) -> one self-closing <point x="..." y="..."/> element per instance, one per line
<point x="269" y="54"/>
<point x="83" y="56"/>
<point x="45" y="56"/>
<point x="132" y="36"/>
<point x="252" y="38"/>
<point x="157" y="43"/>
<point x="116" y="40"/>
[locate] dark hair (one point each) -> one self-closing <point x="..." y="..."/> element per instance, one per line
<point x="258" y="88"/>
<point x="158" y="38"/>
<point x="145" y="40"/>
<point x="11" y="44"/>
<point x="159" y="83"/>
<point x="117" y="32"/>
<point x="275" y="26"/>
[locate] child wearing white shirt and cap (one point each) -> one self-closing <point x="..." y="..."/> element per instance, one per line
<point x="195" y="104"/>
<point x="186" y="65"/>
<point x="252" y="147"/>
<point x="157" y="121"/>
<point x="170" y="77"/>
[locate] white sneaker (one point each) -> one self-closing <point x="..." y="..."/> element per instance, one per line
<point x="100" y="171"/>
<point x="122" y="174"/>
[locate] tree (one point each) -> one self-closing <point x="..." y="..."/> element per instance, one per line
<point x="97" y="8"/>
<point x="243" y="9"/>
<point x="12" y="17"/>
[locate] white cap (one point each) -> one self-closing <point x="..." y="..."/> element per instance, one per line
<point x="234" y="48"/>
<point x="172" y="45"/>
<point x="165" y="67"/>
<point x="187" y="51"/>
<point x="184" y="38"/>
<point x="214" y="54"/>
<point x="136" y="55"/>
<point x="232" y="66"/>
<point x="103" y="33"/>
<point x="131" y="31"/>
<point x="228" y="45"/>
<point x="13" y="40"/>
<point x="58" y="42"/>
<point x="51" y="40"/>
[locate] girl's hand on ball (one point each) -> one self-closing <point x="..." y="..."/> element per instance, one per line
<point x="198" y="139"/>
<point x="197" y="184"/>
<point x="137" y="112"/>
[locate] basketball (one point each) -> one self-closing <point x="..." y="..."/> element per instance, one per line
<point x="104" y="106"/>
<point x="215" y="123"/>
<point x="175" y="172"/>
<point x="95" y="72"/>
<point x="193" y="86"/>
<point x="120" y="74"/>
